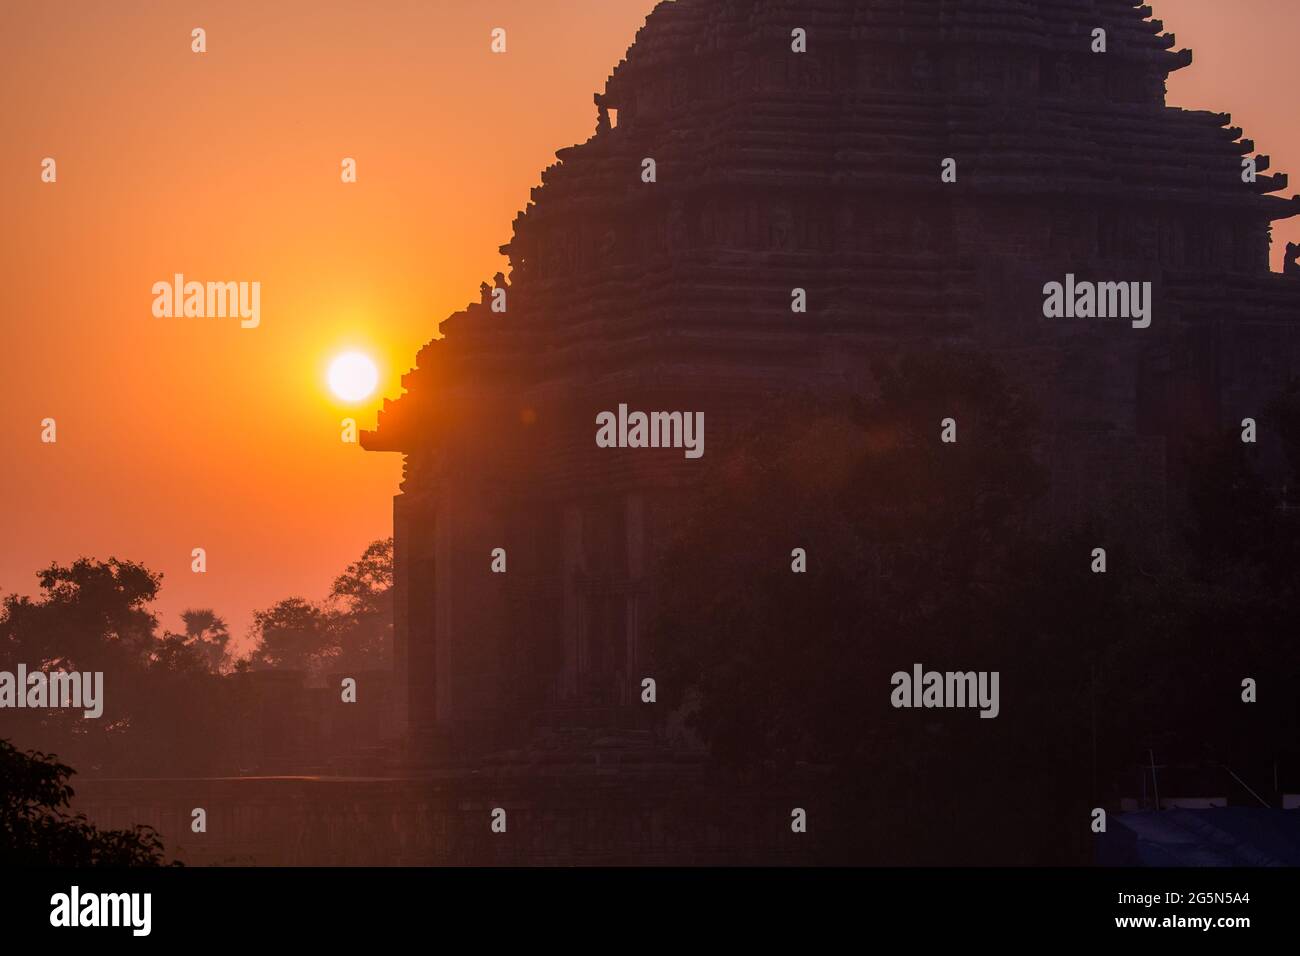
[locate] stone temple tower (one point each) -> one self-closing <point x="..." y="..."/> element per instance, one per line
<point x="802" y="146"/>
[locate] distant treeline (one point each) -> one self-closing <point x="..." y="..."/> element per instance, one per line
<point x="171" y="700"/>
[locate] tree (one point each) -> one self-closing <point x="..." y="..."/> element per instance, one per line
<point x="208" y="633"/>
<point x="163" y="705"/>
<point x="362" y="609"/>
<point x="293" y="634"/>
<point x="364" y="586"/>
<point x="91" y="616"/>
<point x="351" y="629"/>
<point x="37" y="828"/>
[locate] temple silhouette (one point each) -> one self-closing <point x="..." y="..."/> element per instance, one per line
<point x="820" y="171"/>
<point x="919" y="173"/>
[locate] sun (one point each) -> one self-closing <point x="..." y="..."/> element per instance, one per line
<point x="353" y="376"/>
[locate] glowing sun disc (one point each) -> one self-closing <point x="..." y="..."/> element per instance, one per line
<point x="353" y="376"/>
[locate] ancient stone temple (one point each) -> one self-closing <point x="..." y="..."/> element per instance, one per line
<point x="803" y="146"/>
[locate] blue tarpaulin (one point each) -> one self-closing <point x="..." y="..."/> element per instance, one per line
<point x="1221" y="836"/>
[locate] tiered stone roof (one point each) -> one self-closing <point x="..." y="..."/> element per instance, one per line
<point x="779" y="170"/>
<point x="820" y="170"/>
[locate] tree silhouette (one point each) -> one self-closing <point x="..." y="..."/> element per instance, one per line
<point x="168" y="708"/>
<point x="209" y="633"/>
<point x="362" y="609"/>
<point x="293" y="634"/>
<point x="351" y="629"/>
<point x="36" y="827"/>
<point x="163" y="707"/>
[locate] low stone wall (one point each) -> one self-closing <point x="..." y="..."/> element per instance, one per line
<point x="571" y="819"/>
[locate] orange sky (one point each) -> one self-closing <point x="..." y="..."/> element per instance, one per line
<point x="183" y="433"/>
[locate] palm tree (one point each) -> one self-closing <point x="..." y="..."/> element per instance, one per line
<point x="208" y="633"/>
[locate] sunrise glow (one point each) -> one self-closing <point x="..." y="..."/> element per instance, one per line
<point x="353" y="376"/>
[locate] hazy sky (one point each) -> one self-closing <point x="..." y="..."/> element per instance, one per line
<point x="183" y="433"/>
